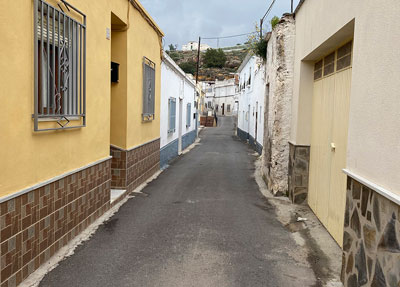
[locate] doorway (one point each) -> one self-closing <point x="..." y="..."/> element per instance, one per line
<point x="330" y="116"/>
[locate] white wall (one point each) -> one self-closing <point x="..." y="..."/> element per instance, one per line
<point x="251" y="95"/>
<point x="373" y="150"/>
<point x="175" y="84"/>
<point x="224" y="93"/>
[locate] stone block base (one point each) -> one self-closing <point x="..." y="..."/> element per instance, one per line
<point x="298" y="172"/>
<point x="130" y="168"/>
<point x="371" y="246"/>
<point x="35" y="225"/>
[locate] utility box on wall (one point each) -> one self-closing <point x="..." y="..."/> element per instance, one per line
<point x="114" y="72"/>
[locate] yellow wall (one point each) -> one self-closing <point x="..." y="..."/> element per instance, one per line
<point x="27" y="157"/>
<point x="142" y="41"/>
<point x="119" y="90"/>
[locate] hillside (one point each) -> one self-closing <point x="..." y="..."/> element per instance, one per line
<point x="187" y="61"/>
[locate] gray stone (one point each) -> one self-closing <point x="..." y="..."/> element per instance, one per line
<point x="379" y="279"/>
<point x="369" y="216"/>
<point x="350" y="263"/>
<point x="356" y="190"/>
<point x="369" y="237"/>
<point x="376" y="213"/>
<point x="346" y="213"/>
<point x="355" y="223"/>
<point x="352" y="281"/>
<point x="347" y="241"/>
<point x="370" y="261"/>
<point x="389" y="240"/>
<point x="364" y="200"/>
<point x="300" y="198"/>
<point x="349" y="180"/>
<point x="361" y="266"/>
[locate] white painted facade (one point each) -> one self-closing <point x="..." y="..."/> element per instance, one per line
<point x="194" y="46"/>
<point x="224" y="97"/>
<point x="252" y="97"/>
<point x="177" y="85"/>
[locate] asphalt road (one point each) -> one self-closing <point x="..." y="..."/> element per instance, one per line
<point x="203" y="223"/>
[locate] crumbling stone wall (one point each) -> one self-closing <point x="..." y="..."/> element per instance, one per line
<point x="279" y="80"/>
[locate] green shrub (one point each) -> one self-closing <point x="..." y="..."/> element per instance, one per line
<point x="189" y="67"/>
<point x="214" y="58"/>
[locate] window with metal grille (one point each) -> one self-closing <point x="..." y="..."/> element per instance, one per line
<point x="149" y="83"/>
<point x="171" y="115"/>
<point x="60" y="65"/>
<point x="188" y="115"/>
<point x="228" y="108"/>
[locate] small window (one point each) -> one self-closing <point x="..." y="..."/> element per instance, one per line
<point x="188" y="115"/>
<point x="149" y="82"/>
<point x="344" y="56"/>
<point x="318" y="70"/>
<point x="228" y="108"/>
<point x="171" y="115"/>
<point x="60" y="65"/>
<point x="329" y="64"/>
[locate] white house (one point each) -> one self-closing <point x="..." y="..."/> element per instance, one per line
<point x="251" y="97"/>
<point x="178" y="112"/>
<point x="224" y="97"/>
<point x="194" y="46"/>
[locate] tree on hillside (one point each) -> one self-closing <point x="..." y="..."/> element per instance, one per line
<point x="188" y="67"/>
<point x="214" y="58"/>
<point x="172" y="47"/>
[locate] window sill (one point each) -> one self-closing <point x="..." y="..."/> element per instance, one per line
<point x="56" y="119"/>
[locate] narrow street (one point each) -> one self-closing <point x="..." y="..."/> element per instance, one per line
<point x="202" y="222"/>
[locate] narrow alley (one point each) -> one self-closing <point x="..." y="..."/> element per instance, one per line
<point x="202" y="222"/>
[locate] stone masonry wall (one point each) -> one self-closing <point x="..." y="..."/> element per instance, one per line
<point x="298" y="172"/>
<point x="279" y="79"/>
<point x="371" y="247"/>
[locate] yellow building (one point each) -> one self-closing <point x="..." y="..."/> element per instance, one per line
<point x="62" y="117"/>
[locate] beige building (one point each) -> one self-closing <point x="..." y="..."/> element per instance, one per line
<point x="345" y="111"/>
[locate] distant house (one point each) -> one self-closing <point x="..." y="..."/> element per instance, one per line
<point x="224" y="97"/>
<point x="194" y="46"/>
<point x="251" y="88"/>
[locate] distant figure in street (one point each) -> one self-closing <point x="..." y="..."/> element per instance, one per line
<point x="216" y="118"/>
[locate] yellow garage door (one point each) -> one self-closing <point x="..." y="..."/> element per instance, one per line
<point x="330" y="117"/>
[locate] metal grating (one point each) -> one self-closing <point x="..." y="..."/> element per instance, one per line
<point x="60" y="66"/>
<point x="149" y="82"/>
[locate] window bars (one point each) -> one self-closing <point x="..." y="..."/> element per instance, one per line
<point x="171" y="115"/>
<point x="60" y="66"/>
<point x="188" y="115"/>
<point x="149" y="78"/>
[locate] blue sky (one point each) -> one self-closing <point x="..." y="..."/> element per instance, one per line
<point x="186" y="20"/>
